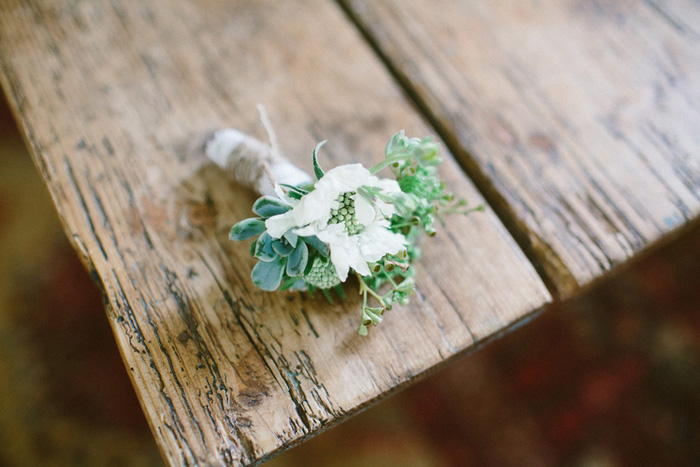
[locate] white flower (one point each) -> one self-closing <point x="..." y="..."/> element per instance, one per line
<point x="355" y="228"/>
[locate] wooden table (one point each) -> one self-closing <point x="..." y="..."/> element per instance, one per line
<point x="575" y="122"/>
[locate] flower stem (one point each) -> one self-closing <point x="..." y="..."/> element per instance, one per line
<point x="365" y="289"/>
<point x="457" y="210"/>
<point x="393" y="284"/>
<point x="388" y="161"/>
<point x="402" y="225"/>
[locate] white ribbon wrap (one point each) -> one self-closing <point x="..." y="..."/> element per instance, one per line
<point x="253" y="163"/>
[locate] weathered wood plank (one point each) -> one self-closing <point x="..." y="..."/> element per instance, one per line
<point x="115" y="98"/>
<point x="579" y="119"/>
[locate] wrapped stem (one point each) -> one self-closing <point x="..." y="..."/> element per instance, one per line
<point x="253" y="163"/>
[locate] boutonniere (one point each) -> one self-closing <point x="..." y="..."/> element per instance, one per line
<point x="314" y="234"/>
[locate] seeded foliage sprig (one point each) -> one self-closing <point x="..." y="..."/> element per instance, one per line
<point x="310" y="237"/>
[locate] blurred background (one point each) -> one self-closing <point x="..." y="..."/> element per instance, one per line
<point x="611" y="379"/>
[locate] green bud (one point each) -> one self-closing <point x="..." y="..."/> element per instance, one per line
<point x="373" y="314"/>
<point x="404" y="203"/>
<point x="407" y="285"/>
<point x="322" y="274"/>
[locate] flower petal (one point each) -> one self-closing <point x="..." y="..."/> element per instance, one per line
<point x="309" y="209"/>
<point x="387" y="185"/>
<point x="364" y="212"/>
<point x="341" y="259"/>
<point x="284" y="196"/>
<point x="311" y="214"/>
<point x="348" y="177"/>
<point x="334" y="234"/>
<point x="307" y="231"/>
<point x="385" y="210"/>
<point x="377" y="241"/>
<point x="360" y="266"/>
<point x="349" y="255"/>
<point x="278" y="225"/>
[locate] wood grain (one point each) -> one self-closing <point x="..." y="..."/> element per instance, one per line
<point x="115" y="100"/>
<point x="579" y="120"/>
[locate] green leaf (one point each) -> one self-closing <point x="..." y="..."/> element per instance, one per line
<point x="373" y="314"/>
<point x="263" y="248"/>
<point x="425" y="151"/>
<point x="317" y="244"/>
<point x="268" y="206"/>
<point x="408" y="285"/>
<point x="318" y="171"/>
<point x="268" y="275"/>
<point x="282" y="247"/>
<point x="295" y="191"/>
<point x="395" y="144"/>
<point x="296" y="264"/>
<point x="328" y="295"/>
<point x="246" y="229"/>
<point x="293" y="283"/>
<point x="292" y="238"/>
<point x="404" y="203"/>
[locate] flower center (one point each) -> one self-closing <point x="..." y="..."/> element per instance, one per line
<point x="346" y="214"/>
<point x="322" y="274"/>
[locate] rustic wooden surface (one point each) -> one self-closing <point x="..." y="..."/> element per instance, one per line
<point x="115" y="99"/>
<point x="578" y="120"/>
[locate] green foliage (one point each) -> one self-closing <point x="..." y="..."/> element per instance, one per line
<point x="318" y="171"/>
<point x="294" y="191"/>
<point x="267" y="206"/>
<point x="246" y="229"/>
<point x="292" y="238"/>
<point x="423" y="198"/>
<point x="282" y="261"/>
<point x="263" y="248"/>
<point x="268" y="275"/>
<point x="303" y="263"/>
<point x="296" y="264"/>
<point x="282" y="247"/>
<point x="320" y="247"/>
<point x="424" y="151"/>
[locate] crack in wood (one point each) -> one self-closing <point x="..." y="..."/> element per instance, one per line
<point x="175" y="379"/>
<point x="83" y="205"/>
<point x="178" y="429"/>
